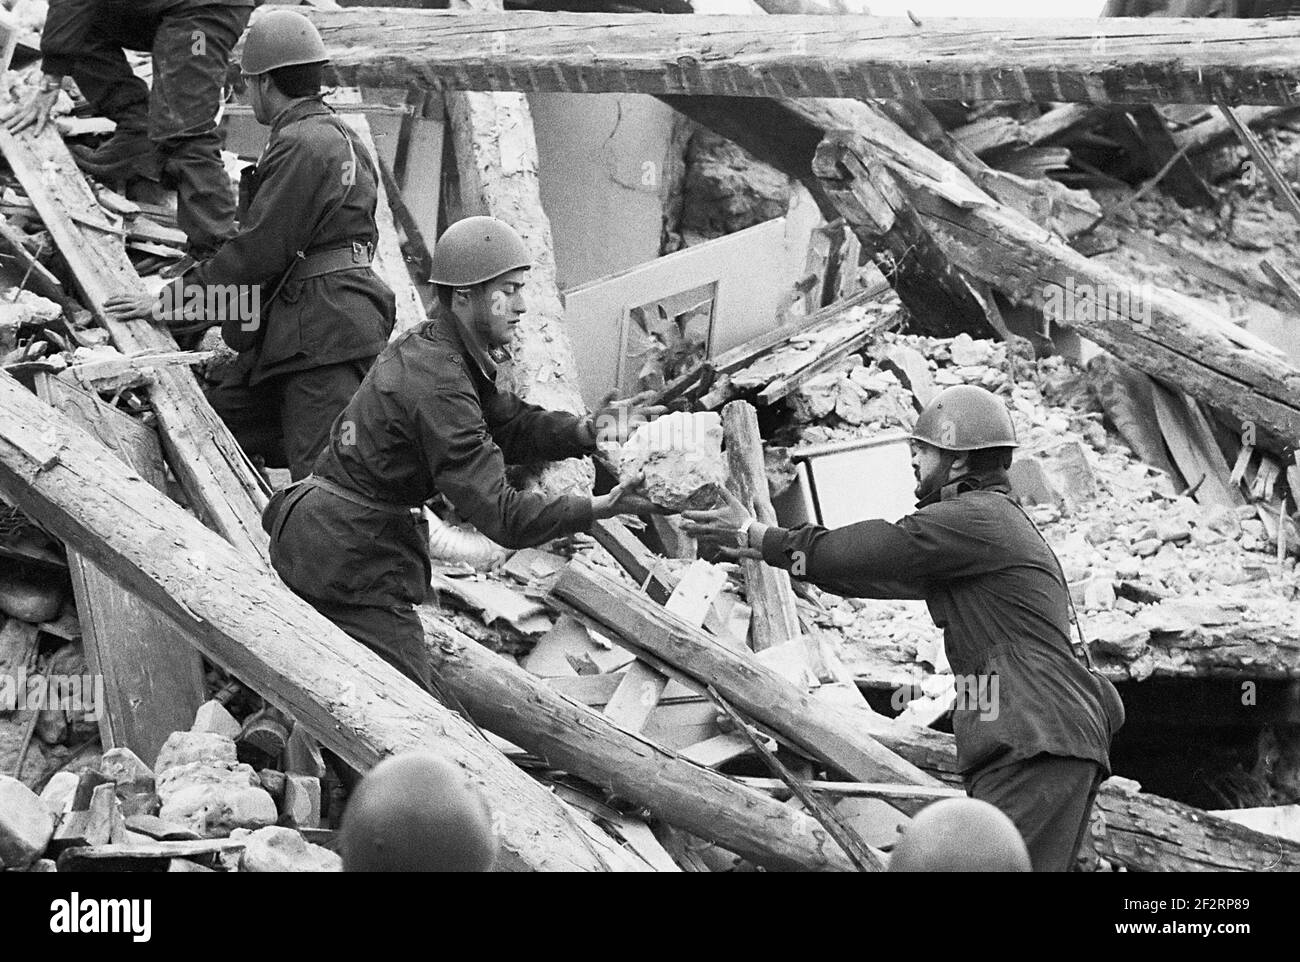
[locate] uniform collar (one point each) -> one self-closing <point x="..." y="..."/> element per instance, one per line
<point x="304" y="107"/>
<point x="444" y="327"/>
<point x="995" y="480"/>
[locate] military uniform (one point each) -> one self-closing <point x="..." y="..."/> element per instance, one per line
<point x="191" y="41"/>
<point x="300" y="362"/>
<point x="1039" y="749"/>
<point x="428" y="420"/>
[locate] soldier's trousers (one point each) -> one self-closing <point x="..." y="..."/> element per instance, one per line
<point x="286" y="419"/>
<point x="1049" y="798"/>
<point x="191" y="52"/>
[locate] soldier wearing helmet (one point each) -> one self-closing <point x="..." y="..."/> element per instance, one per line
<point x="167" y="131"/>
<point x="310" y="315"/>
<point x="429" y="420"/>
<point x="1033" y="724"/>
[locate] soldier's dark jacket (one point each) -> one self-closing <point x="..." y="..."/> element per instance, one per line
<point x="427" y="420"/>
<point x="342" y="316"/>
<point x="992" y="585"/>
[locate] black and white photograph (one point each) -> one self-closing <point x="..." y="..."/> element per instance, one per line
<point x="649" y="436"/>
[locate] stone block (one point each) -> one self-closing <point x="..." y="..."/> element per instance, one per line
<point x="26" y="824"/>
<point x="212" y="716"/>
<point x="302" y="801"/>
<point x="28" y="601"/>
<point x="128" y="772"/>
<point x="278" y="849"/>
<point x="184" y="748"/>
<point x="58" y="791"/>
<point x="680" y="457"/>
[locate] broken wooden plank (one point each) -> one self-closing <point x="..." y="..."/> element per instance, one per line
<point x="767" y="589"/>
<point x="1182" y="181"/>
<point x="1287" y="285"/>
<point x="636" y="559"/>
<point x="217" y="476"/>
<point x="1281" y="186"/>
<point x="514" y="705"/>
<point x="153" y="679"/>
<point x="636" y="696"/>
<point x="1178" y="61"/>
<point x="1192" y="445"/>
<point x="744" y="681"/>
<point x="249" y="624"/>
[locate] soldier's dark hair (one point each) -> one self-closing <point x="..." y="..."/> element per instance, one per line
<point x="989" y="459"/>
<point x="299" y="80"/>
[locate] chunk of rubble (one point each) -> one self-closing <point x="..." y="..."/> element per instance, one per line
<point x="680" y="457"/>
<point x="26" y="825"/>
<point x="203" y="787"/>
<point x="284" y="850"/>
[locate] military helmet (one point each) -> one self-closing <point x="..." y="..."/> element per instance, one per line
<point x="416" y="813"/>
<point x="960" y="835"/>
<point x="475" y="250"/>
<point x="280" y="38"/>
<point x="965" y="418"/>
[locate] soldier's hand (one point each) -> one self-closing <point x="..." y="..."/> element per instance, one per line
<point x="617" y="419"/>
<point x="134" y="306"/>
<point x="721" y="525"/>
<point x="625" y="498"/>
<point x="33" y="112"/>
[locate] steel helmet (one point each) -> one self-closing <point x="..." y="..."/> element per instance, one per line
<point x="280" y="38"/>
<point x="416" y="813"/>
<point x="960" y="835"/>
<point x="475" y="250"/>
<point x="965" y="418"/>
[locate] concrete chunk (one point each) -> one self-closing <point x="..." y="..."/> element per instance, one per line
<point x="58" y="792"/>
<point x="212" y="716"/>
<point x="302" y="801"/>
<point x="26" y="825"/>
<point x="124" y="767"/>
<point x="680" y="456"/>
<point x="277" y="849"/>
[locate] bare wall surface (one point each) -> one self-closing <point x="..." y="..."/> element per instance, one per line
<point x="603" y="160"/>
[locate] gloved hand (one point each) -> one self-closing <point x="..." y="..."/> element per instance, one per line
<point x="616" y="420"/>
<point x="35" y="111"/>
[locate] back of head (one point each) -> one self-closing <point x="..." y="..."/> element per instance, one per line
<point x="416" y="813"/>
<point x="960" y="835"/>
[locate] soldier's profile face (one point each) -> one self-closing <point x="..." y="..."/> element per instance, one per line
<point x="502" y="307"/>
<point x="925" y="462"/>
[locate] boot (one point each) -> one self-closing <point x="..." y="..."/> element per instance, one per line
<point x="127" y="154"/>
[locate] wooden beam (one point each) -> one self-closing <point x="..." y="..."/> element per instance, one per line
<point x="1046" y="61"/>
<point x="1168" y="336"/>
<point x="817" y="728"/>
<point x="153" y="679"/>
<point x="523" y="709"/>
<point x="767" y="589"/>
<point x="1191" y="442"/>
<point x="246" y="621"/>
<point x="222" y="485"/>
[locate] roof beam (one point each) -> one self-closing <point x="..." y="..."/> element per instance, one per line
<point x="1130" y="60"/>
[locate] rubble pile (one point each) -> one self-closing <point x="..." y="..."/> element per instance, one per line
<point x="197" y="808"/>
